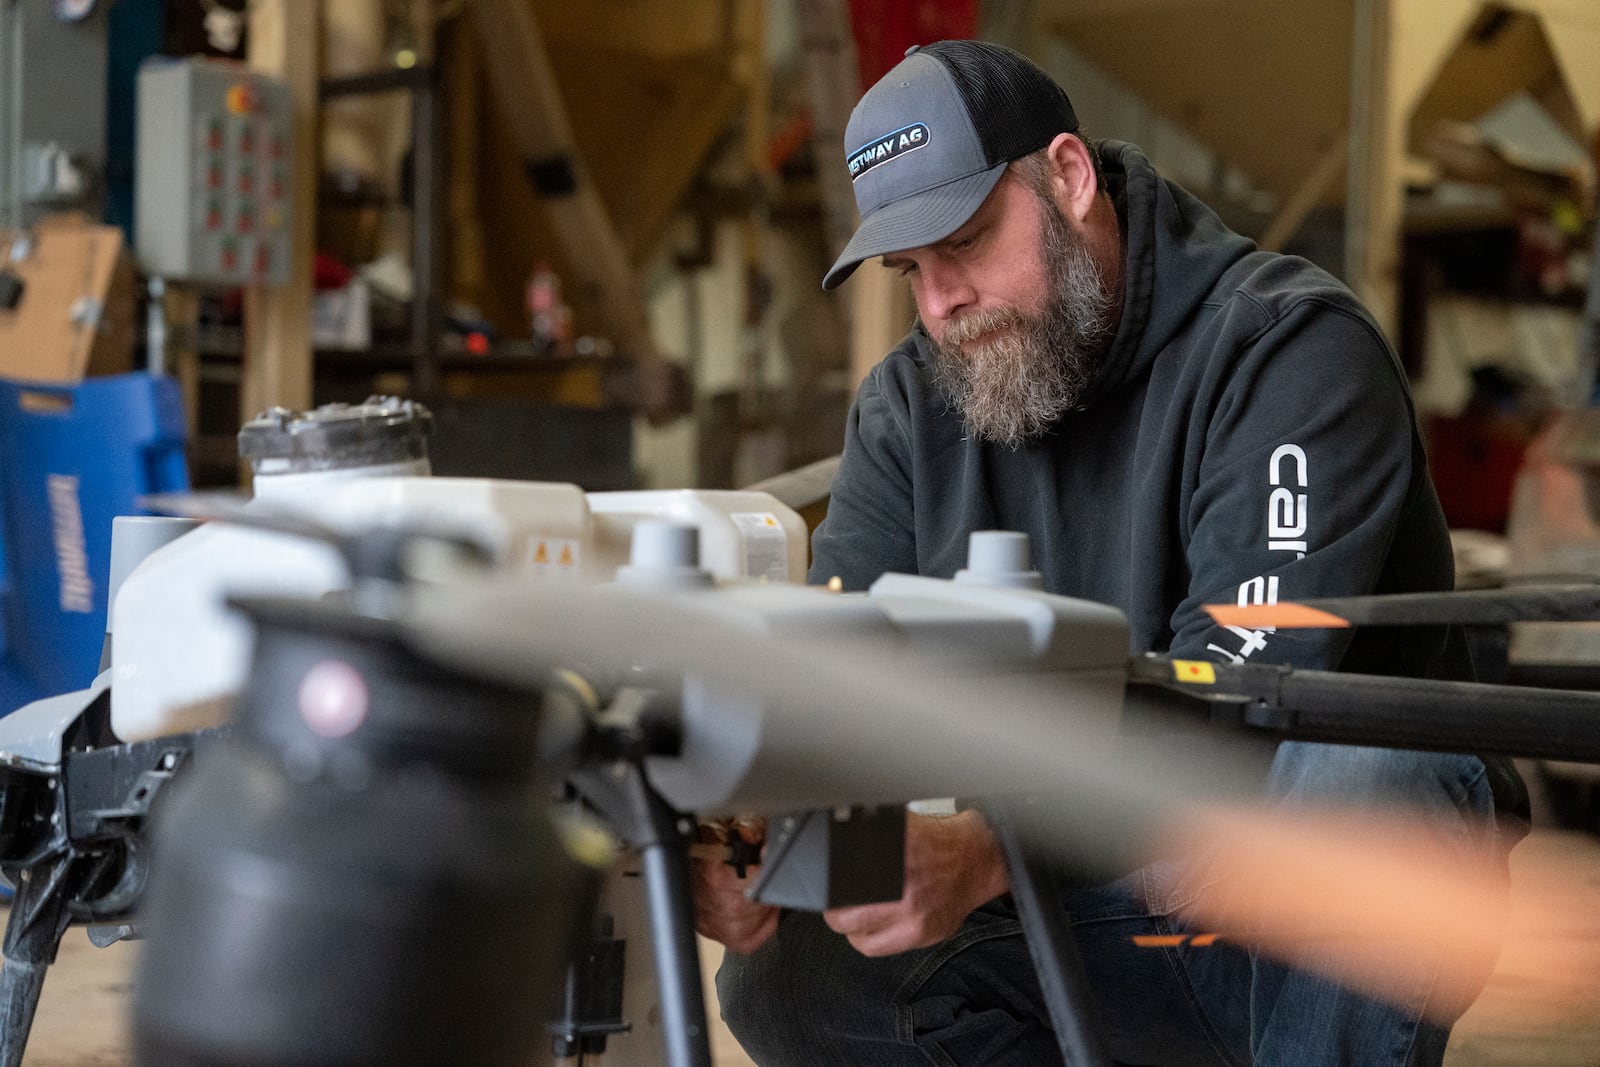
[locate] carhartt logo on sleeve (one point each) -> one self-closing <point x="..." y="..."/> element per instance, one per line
<point x="1288" y="519"/>
<point x="890" y="146"/>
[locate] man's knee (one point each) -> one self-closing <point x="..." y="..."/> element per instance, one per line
<point x="745" y="994"/>
<point x="803" y="989"/>
<point x="1385" y="778"/>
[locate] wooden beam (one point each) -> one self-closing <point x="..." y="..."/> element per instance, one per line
<point x="1372" y="208"/>
<point x="1311" y="192"/>
<point x="881" y="313"/>
<point x="750" y="70"/>
<point x="463" y="70"/>
<point x="601" y="280"/>
<point x="285" y="41"/>
<point x="1400" y="46"/>
<point x="181" y="305"/>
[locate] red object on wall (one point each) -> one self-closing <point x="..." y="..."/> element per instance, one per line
<point x="884" y="29"/>
<point x="1474" y="460"/>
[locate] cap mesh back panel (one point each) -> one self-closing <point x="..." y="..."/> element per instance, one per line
<point x="1015" y="107"/>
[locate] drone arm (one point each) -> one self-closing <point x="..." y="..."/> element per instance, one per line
<point x="1413" y="713"/>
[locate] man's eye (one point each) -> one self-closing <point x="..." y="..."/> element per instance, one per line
<point x="907" y="269"/>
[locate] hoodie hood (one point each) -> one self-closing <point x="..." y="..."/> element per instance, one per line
<point x="1175" y="251"/>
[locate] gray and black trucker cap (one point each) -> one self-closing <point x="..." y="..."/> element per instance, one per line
<point x="928" y="142"/>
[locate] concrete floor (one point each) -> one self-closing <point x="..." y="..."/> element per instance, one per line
<point x="82" y="1016"/>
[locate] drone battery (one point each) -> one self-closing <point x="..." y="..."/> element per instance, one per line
<point x="835" y="859"/>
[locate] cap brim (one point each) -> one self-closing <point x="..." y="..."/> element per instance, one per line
<point x="914" y="221"/>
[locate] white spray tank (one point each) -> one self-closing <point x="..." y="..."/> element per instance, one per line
<point x="178" y="650"/>
<point x="180" y="654"/>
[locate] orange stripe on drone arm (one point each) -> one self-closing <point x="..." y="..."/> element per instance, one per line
<point x="1282" y="616"/>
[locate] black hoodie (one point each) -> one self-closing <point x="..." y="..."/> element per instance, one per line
<point x="1249" y="437"/>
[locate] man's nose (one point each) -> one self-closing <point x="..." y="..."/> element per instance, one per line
<point x="944" y="293"/>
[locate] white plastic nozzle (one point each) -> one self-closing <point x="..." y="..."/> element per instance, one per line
<point x="1000" y="558"/>
<point x="664" y="555"/>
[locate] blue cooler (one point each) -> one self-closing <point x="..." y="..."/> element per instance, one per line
<point x="72" y="458"/>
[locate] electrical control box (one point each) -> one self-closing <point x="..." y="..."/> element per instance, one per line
<point x="212" y="183"/>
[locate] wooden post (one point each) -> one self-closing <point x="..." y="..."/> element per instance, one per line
<point x="463" y="70"/>
<point x="285" y="41"/>
<point x="880" y="306"/>
<point x="181" y="305"/>
<point x="1398" y="47"/>
<point x="751" y="72"/>
<point x="1372" y="221"/>
<point x="881" y="313"/>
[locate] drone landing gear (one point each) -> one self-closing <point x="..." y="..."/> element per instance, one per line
<point x="1074" y="1012"/>
<point x="662" y="836"/>
<point x="39" y="919"/>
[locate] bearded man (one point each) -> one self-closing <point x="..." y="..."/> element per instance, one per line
<point x="1176" y="419"/>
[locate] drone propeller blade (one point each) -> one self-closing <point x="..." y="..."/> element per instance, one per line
<point x="1552" y="603"/>
<point x="1370" y="900"/>
<point x="865" y="720"/>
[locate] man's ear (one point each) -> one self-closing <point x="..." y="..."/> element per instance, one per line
<point x="1072" y="176"/>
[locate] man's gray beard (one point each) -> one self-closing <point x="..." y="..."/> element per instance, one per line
<point x="1015" y="384"/>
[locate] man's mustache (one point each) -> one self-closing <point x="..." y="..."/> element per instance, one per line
<point x="976" y="324"/>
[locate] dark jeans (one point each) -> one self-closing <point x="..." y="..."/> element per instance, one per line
<point x="807" y="999"/>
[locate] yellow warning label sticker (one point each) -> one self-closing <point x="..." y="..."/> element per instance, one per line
<point x="553" y="557"/>
<point x="766" y="545"/>
<point x="1197" y="671"/>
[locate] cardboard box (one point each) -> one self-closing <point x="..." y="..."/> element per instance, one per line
<point x="78" y="314"/>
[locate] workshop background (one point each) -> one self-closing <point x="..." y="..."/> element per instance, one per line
<point x="589" y="234"/>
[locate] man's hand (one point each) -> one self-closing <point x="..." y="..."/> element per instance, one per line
<point x="953" y="865"/>
<point x="721" y="910"/>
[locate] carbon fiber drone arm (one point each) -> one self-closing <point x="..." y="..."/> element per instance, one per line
<point x="1418" y="713"/>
